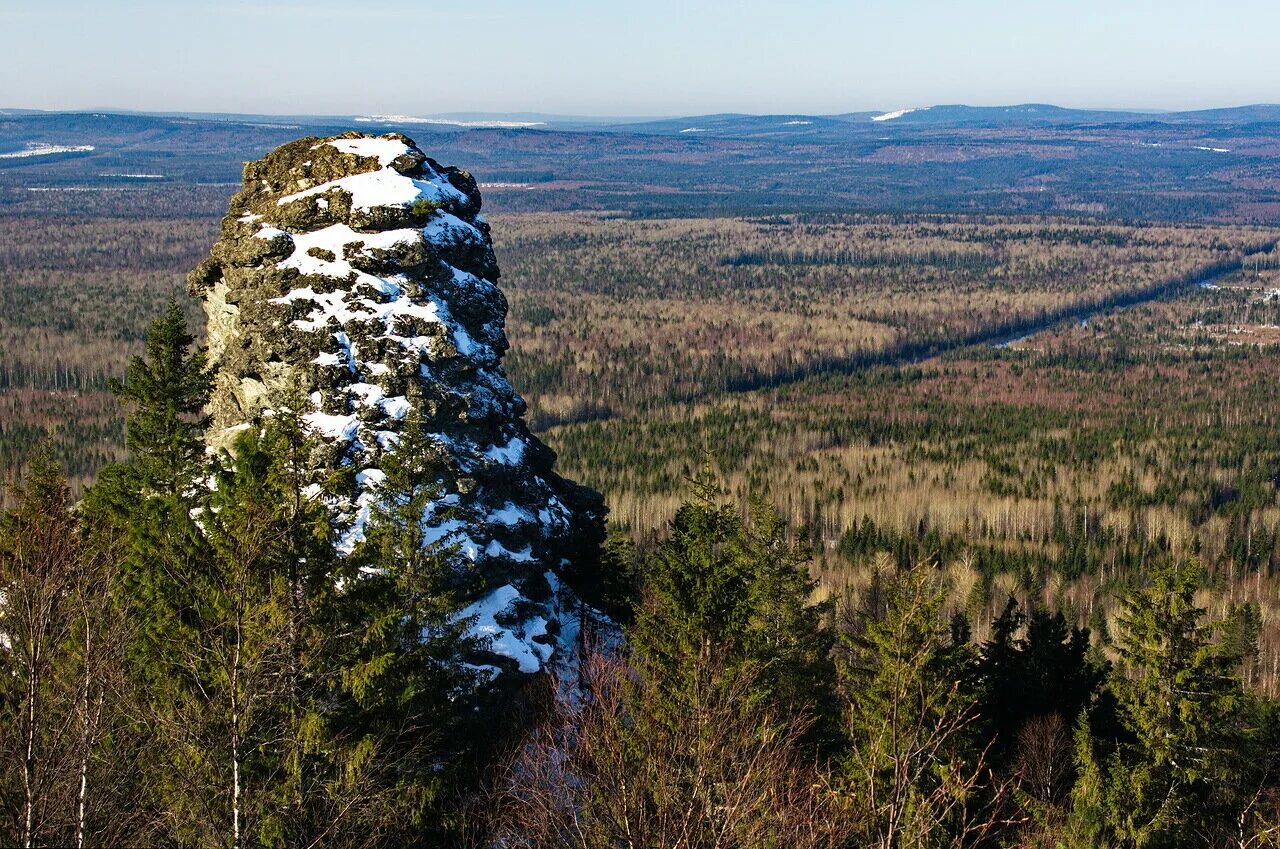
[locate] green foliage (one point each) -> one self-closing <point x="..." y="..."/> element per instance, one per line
<point x="914" y="761"/>
<point x="169" y="387"/>
<point x="1173" y="780"/>
<point x="1047" y="670"/>
<point x="406" y="691"/>
<point x="148" y="503"/>
<point x="738" y="592"/>
<point x="1087" y="827"/>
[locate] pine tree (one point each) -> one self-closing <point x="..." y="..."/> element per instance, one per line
<point x="616" y="585"/>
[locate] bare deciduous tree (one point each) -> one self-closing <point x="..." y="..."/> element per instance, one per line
<point x="600" y="773"/>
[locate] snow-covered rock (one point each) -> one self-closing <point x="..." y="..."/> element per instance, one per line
<point x="354" y="277"/>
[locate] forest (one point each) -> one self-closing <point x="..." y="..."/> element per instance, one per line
<point x="926" y="531"/>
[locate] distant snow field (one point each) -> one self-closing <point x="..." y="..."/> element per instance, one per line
<point x="41" y="149"/>
<point x="693" y="130"/>
<point x="410" y="119"/>
<point x="889" y="116"/>
<point x="134" y="176"/>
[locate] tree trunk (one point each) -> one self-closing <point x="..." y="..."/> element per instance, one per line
<point x="235" y="734"/>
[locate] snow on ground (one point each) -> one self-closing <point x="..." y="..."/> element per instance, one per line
<point x="394" y="304"/>
<point x="509" y="454"/>
<point x="889" y="116"/>
<point x="693" y="130"/>
<point x="335" y="427"/>
<point x="378" y="303"/>
<point x="1213" y="149"/>
<point x="135" y="176"/>
<point x="795" y="123"/>
<point x="447" y="229"/>
<point x="40" y="149"/>
<point x="510" y="515"/>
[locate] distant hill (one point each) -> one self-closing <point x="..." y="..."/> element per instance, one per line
<point x="1205" y="165"/>
<point x="1040" y="114"/>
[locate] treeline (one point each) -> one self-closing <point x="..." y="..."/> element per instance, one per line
<point x="627" y="316"/>
<point x="740" y="716"/>
<point x="614" y="316"/>
<point x="186" y="661"/>
<point x="860" y="258"/>
<point x="1056" y="472"/>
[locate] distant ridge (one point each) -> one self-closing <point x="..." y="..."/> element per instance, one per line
<point x="958" y="115"/>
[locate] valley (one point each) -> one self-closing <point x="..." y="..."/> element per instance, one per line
<point x="584" y="425"/>
<point x="840" y="364"/>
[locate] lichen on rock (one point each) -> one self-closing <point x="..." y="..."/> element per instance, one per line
<point x="355" y="277"/>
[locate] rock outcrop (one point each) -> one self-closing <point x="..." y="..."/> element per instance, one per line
<point x="354" y="278"/>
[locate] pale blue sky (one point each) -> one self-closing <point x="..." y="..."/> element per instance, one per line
<point x="661" y="57"/>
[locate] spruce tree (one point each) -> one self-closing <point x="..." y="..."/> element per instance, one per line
<point x="168" y="386"/>
<point x="786" y="631"/>
<point x="149" y="501"/>
<point x="1181" y="702"/>
<point x="248" y="728"/>
<point x="1046" y="670"/>
<point x="913" y="762"/>
<point x="736" y="593"/>
<point x="413" y="698"/>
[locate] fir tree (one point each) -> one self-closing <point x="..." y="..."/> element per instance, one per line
<point x="913" y="762"/>
<point x="148" y="502"/>
<point x="1044" y="671"/>
<point x="169" y="386"/>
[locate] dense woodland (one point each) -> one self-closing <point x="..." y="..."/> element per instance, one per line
<point x="610" y="315"/>
<point x="195" y="666"/>
<point x="879" y="586"/>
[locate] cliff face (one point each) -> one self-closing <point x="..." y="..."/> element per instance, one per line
<point x="354" y="279"/>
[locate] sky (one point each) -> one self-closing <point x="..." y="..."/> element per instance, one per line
<point x="607" y="58"/>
